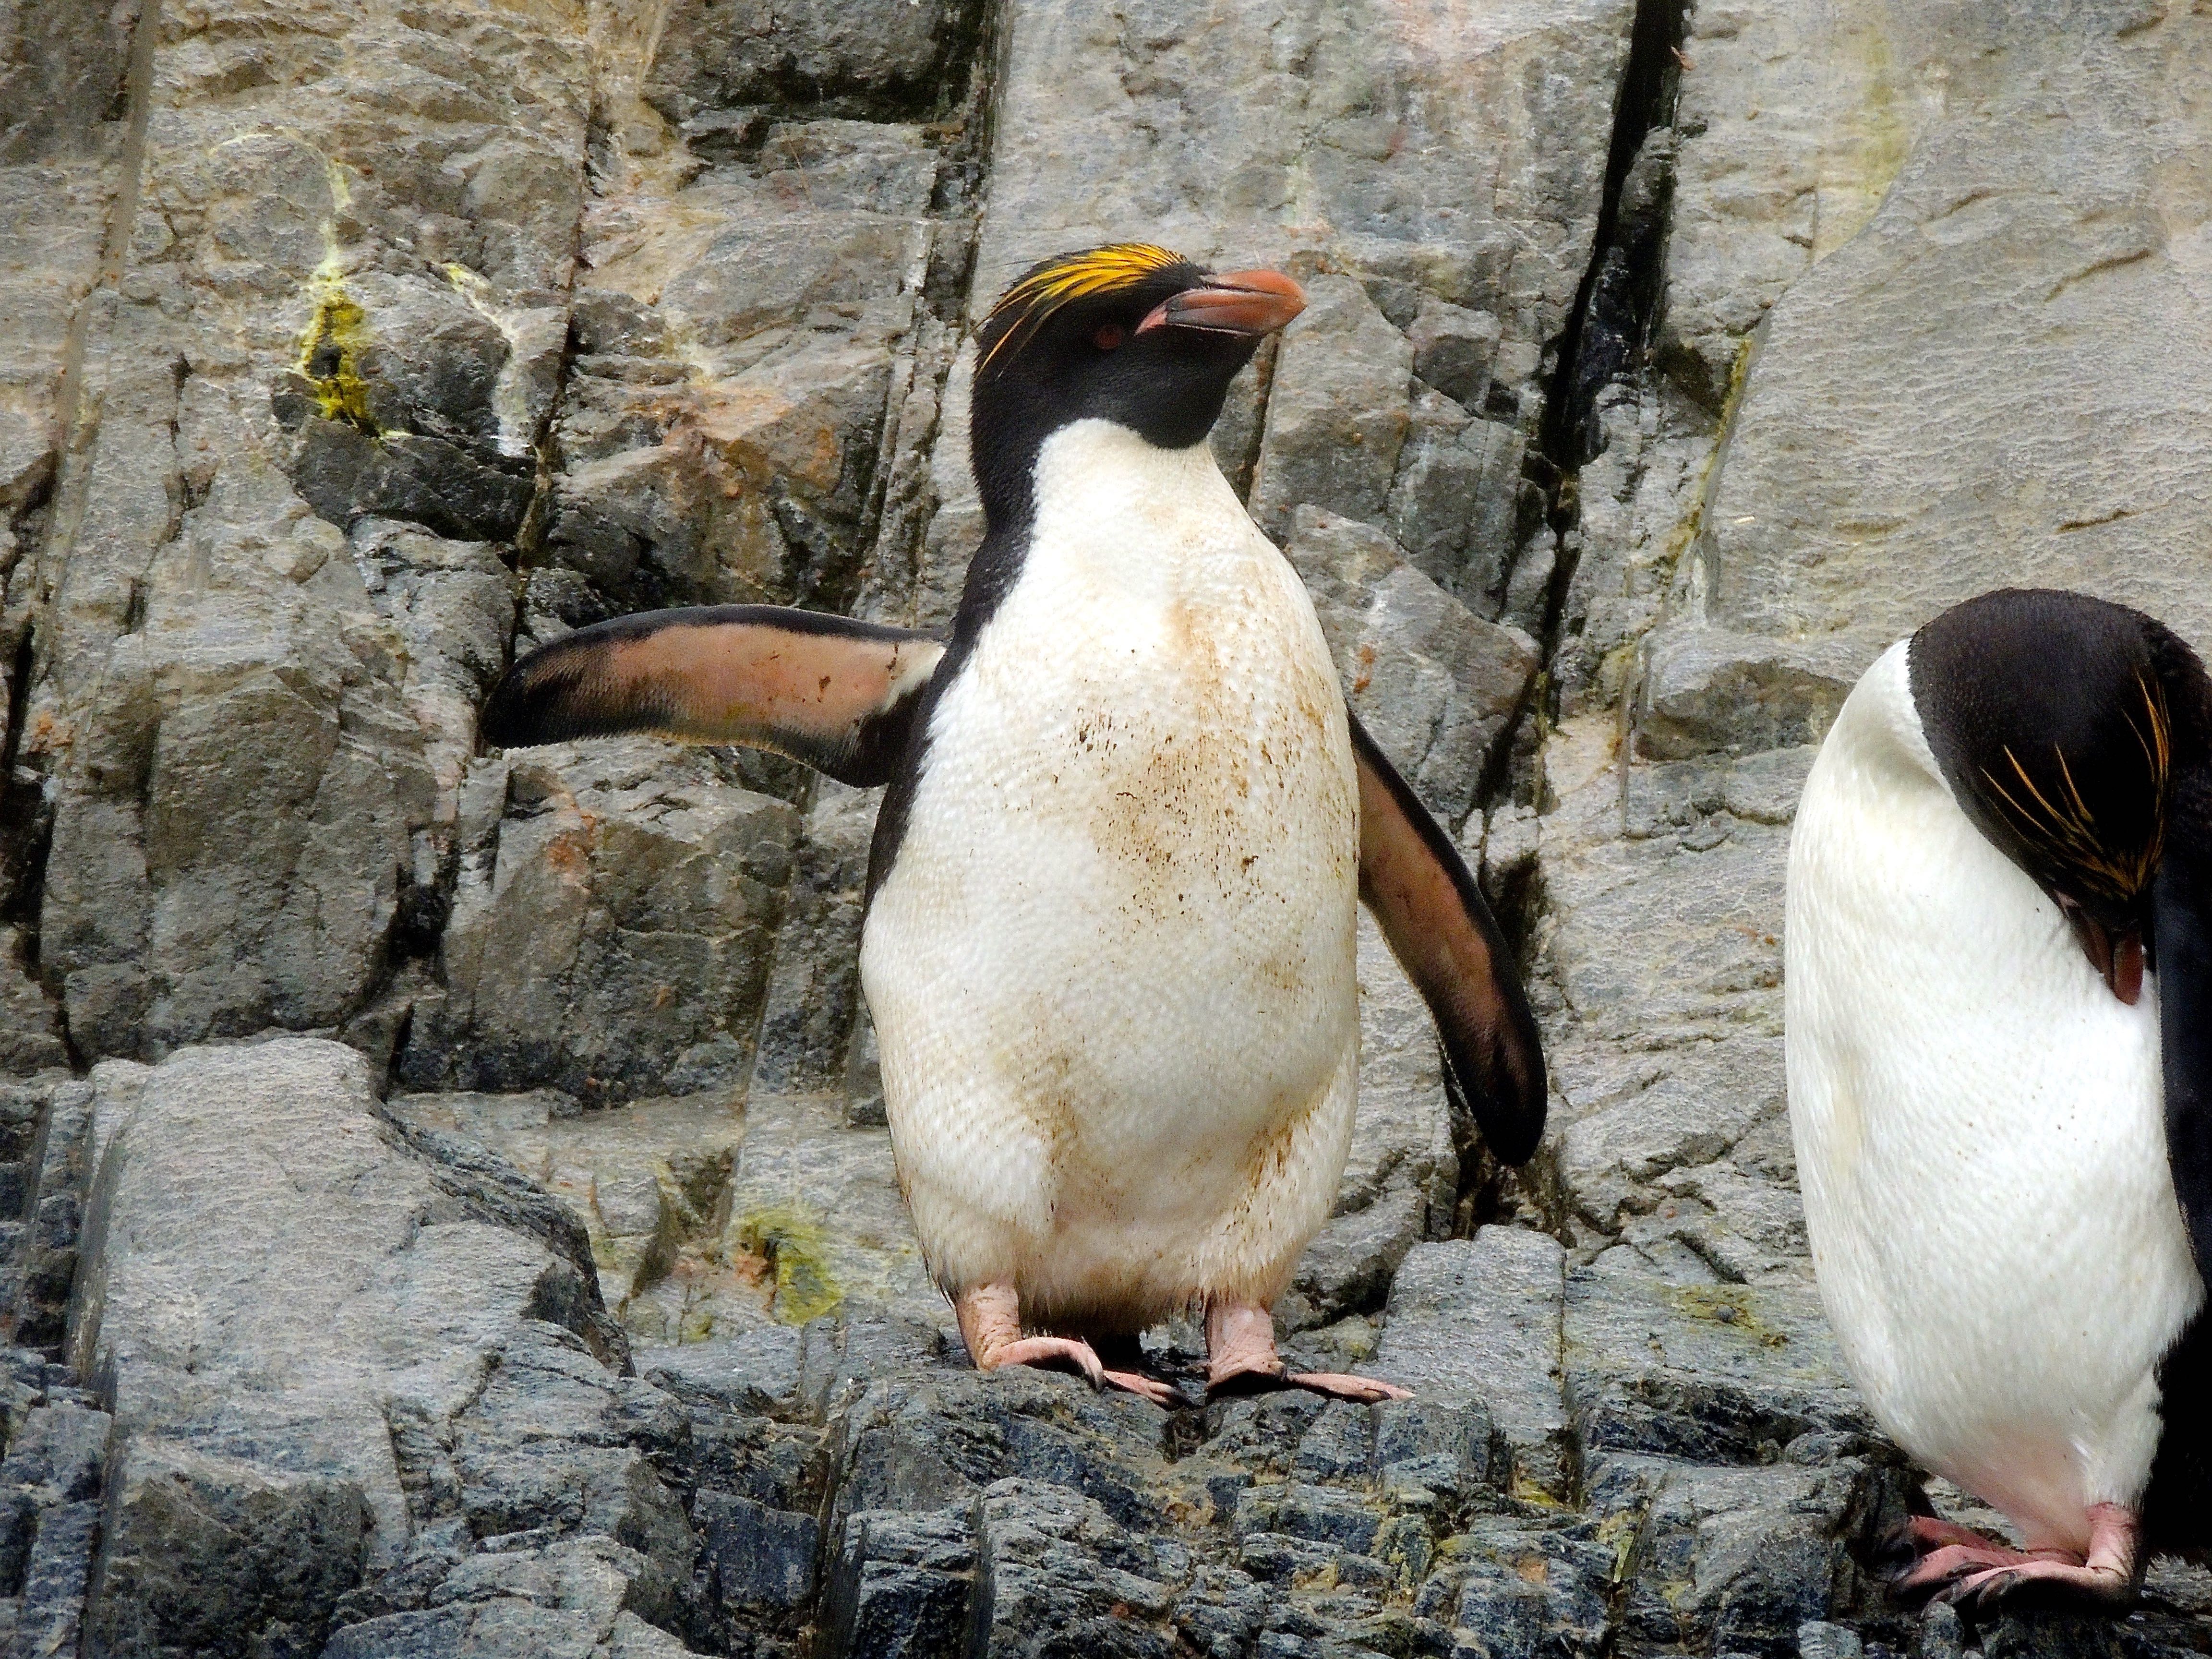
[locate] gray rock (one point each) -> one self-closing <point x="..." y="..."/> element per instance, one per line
<point x="258" y="1479"/>
<point x="1052" y="1566"/>
<point x="922" y="1440"/>
<point x="611" y="926"/>
<point x="29" y="1040"/>
<point x="1746" y="1558"/>
<point x="1706" y="690"/>
<point x="1818" y="1639"/>
<point x="1435" y="686"/>
<point x="814" y="997"/>
<point x="1714" y="1374"/>
<point x="759" y="1557"/>
<point x="1464" y="160"/>
<point x="756" y="1370"/>
<point x="51" y="1617"/>
<point x="1942" y="1632"/>
<point x="1336" y="411"/>
<point x="817" y="1208"/>
<point x="1692" y="1019"/>
<point x="636" y="1196"/>
<point x="62" y="1448"/>
<point x="200" y="1552"/>
<point x="59" y="76"/>
<point x="1513" y="1589"/>
<point x="2017" y="263"/>
<point x="169" y="911"/>
<point x="1400" y="1180"/>
<point x="1479" y="1320"/>
<point x="902" y="1583"/>
<point x="1456" y="502"/>
<point x="873" y="58"/>
<point x="292" y="465"/>
<point x="1454" y="348"/>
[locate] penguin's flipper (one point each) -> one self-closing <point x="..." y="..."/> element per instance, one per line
<point x="1425" y="900"/>
<point x="838" y="694"/>
<point x="2181" y="935"/>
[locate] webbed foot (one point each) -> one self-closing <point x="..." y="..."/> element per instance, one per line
<point x="991" y="1325"/>
<point x="1241" y="1358"/>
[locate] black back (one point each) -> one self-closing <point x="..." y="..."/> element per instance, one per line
<point x="2176" y="1513"/>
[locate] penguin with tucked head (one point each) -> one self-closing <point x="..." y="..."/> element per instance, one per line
<point x="1998" y="971"/>
<point x="1108" y="946"/>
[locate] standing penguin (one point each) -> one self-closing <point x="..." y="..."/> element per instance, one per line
<point x="1109" y="939"/>
<point x="1998" y="958"/>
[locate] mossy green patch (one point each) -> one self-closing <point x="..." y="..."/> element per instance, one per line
<point x="1524" y="1490"/>
<point x="1727" y="1304"/>
<point x="1617" y="1532"/>
<point x="794" y="1244"/>
<point x="330" y="356"/>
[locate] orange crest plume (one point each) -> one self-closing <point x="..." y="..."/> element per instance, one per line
<point x="1044" y="288"/>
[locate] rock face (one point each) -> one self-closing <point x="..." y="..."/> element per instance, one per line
<point x="445" y="1206"/>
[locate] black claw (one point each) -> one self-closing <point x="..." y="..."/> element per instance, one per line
<point x="1894" y="1552"/>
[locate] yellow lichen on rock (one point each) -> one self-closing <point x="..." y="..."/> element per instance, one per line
<point x="330" y="356"/>
<point x="790" y="1242"/>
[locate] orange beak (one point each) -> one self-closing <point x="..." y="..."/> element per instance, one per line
<point x="1248" y="302"/>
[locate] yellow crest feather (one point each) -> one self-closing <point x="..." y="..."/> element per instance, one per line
<point x="1038" y="293"/>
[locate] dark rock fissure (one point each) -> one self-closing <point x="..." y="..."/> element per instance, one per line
<point x="23" y="828"/>
<point x="1606" y="332"/>
<point x="1606" y="340"/>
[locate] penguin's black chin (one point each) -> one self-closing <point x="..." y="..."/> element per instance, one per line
<point x="2115" y="950"/>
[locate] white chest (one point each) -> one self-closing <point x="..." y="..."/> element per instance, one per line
<point x="1126" y="897"/>
<point x="1149" y="732"/>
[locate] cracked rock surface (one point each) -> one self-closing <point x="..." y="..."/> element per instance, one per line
<point x="445" y="1206"/>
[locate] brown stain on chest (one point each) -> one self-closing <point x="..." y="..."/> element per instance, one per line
<point x="1196" y="792"/>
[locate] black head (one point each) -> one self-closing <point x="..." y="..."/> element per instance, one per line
<point x="1127" y="332"/>
<point x="2054" y="718"/>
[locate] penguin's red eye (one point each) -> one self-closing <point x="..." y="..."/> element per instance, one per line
<point x="1107" y="338"/>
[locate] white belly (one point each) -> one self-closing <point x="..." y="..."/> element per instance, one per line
<point x="1111" y="968"/>
<point x="1979" y="1141"/>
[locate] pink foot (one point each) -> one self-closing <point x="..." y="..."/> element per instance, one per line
<point x="1960" y="1564"/>
<point x="1938" y="1567"/>
<point x="1240" y="1345"/>
<point x="1051" y="1353"/>
<point x="1929" y="1531"/>
<point x="2047" y="1582"/>
<point x="990" y="1323"/>
<point x="1343" y="1385"/>
<point x="1150" y="1388"/>
<point x="2106" y="1579"/>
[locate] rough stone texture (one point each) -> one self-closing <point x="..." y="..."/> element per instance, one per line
<point x="608" y="889"/>
<point x="263" y="1479"/>
<point x="1663" y="363"/>
<point x="1435" y="686"/>
<point x="650" y="1180"/>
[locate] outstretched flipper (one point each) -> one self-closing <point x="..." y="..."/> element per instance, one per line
<point x="836" y="694"/>
<point x="1425" y="900"/>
